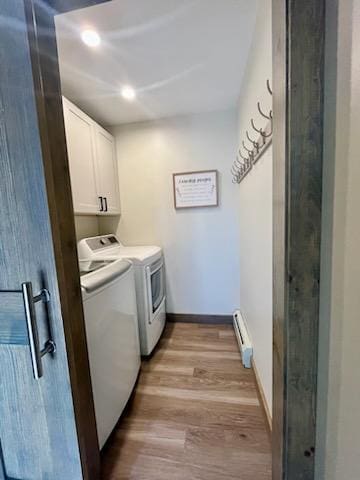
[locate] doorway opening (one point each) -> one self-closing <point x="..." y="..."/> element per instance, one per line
<point x="168" y="121"/>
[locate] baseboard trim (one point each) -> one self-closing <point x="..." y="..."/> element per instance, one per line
<point x="204" y="319"/>
<point x="263" y="402"/>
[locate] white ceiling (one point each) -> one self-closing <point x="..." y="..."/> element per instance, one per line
<point x="182" y="57"/>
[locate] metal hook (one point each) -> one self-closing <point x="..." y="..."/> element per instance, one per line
<point x="247" y="160"/>
<point x="236" y="172"/>
<point x="262" y="113"/>
<point x="255" y="144"/>
<point x="270" y="133"/>
<point x="250" y="139"/>
<point x="244" y="165"/>
<point x="239" y="165"/>
<point x="238" y="169"/>
<point x="266" y="135"/>
<point x="256" y="129"/>
<point x="268" y="87"/>
<point x="249" y="151"/>
<point x="242" y="156"/>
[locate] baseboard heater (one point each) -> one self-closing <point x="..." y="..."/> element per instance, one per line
<point x="243" y="339"/>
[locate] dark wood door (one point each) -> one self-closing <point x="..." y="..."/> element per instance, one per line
<point x="40" y="434"/>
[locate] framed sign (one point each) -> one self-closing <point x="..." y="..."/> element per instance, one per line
<point x="196" y="189"/>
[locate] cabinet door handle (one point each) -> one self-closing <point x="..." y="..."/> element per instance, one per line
<point x="101" y="204"/>
<point x="106" y="205"/>
<point x="36" y="352"/>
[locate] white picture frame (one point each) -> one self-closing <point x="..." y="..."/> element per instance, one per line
<point x="196" y="189"/>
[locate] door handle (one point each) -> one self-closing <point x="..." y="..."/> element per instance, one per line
<point x="106" y="205"/>
<point x="36" y="352"/>
<point x="101" y="204"/>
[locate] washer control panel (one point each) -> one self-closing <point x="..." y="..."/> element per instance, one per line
<point x="101" y="242"/>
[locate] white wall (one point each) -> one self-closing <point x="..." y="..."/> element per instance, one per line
<point x="339" y="379"/>
<point x="86" y="226"/>
<point x="255" y="205"/>
<point x="201" y="246"/>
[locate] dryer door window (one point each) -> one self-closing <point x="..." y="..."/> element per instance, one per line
<point x="157" y="281"/>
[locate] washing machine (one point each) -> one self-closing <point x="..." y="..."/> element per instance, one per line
<point x="111" y="324"/>
<point x="149" y="270"/>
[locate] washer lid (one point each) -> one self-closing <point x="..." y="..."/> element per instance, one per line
<point x="91" y="265"/>
<point x="109" y="271"/>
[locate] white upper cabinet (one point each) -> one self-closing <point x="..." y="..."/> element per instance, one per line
<point x="92" y="162"/>
<point x="107" y="172"/>
<point x="81" y="153"/>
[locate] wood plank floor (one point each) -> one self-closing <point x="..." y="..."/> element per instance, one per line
<point x="195" y="414"/>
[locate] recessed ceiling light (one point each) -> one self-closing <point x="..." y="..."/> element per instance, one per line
<point x="91" y="38"/>
<point x="128" y="93"/>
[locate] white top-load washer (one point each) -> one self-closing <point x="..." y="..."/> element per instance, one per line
<point x="149" y="280"/>
<point x="109" y="299"/>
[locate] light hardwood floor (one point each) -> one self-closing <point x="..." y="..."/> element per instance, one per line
<point x="195" y="414"/>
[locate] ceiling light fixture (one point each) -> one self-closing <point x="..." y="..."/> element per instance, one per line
<point x="91" y="38"/>
<point x="128" y="93"/>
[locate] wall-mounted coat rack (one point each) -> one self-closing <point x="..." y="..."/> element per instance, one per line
<point x="254" y="148"/>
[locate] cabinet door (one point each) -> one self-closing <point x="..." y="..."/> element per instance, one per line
<point x="79" y="129"/>
<point x="107" y="172"/>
